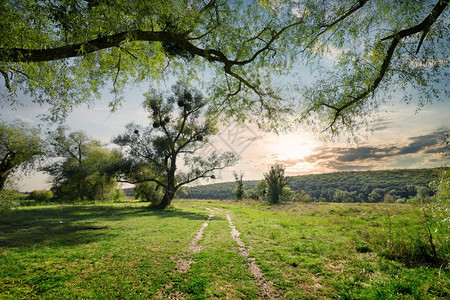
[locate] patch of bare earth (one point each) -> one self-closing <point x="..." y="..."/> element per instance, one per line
<point x="184" y="263"/>
<point x="265" y="286"/>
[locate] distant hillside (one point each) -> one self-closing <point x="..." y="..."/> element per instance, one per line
<point x="129" y="192"/>
<point x="356" y="185"/>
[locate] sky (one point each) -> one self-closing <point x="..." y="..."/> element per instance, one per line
<point x="402" y="137"/>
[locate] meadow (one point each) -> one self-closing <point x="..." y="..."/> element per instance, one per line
<point x="291" y="251"/>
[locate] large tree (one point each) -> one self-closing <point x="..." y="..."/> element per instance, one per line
<point x="20" y="146"/>
<point x="63" y="52"/>
<point x="179" y="130"/>
<point x="82" y="170"/>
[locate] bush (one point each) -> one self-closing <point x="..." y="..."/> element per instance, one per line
<point x="302" y="196"/>
<point x="400" y="201"/>
<point x="41" y="195"/>
<point x="118" y="195"/>
<point x="8" y="199"/>
<point x="149" y="192"/>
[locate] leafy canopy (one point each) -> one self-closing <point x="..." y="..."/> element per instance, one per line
<point x="64" y="52"/>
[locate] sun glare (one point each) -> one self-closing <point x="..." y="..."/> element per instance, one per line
<point x="291" y="150"/>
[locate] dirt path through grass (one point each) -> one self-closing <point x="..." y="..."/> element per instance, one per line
<point x="265" y="286"/>
<point x="184" y="264"/>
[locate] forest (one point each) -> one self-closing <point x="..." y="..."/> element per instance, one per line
<point x="356" y="186"/>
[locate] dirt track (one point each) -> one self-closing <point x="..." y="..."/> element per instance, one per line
<point x="265" y="287"/>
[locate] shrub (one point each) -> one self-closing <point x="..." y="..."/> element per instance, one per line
<point x="8" y="198"/>
<point x="118" y="195"/>
<point x="149" y="192"/>
<point x="302" y="196"/>
<point x="400" y="201"/>
<point x="259" y="191"/>
<point x="388" y="198"/>
<point x="41" y="195"/>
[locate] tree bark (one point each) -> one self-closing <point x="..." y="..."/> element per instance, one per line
<point x="3" y="176"/>
<point x="170" y="188"/>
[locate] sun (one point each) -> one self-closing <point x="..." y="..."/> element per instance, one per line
<point x="293" y="147"/>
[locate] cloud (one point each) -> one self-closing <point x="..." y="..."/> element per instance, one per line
<point x="424" y="150"/>
<point x="382" y="124"/>
<point x="430" y="143"/>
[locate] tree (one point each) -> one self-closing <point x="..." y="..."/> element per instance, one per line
<point x="374" y="197"/>
<point x="239" y="191"/>
<point x="178" y="131"/>
<point x="149" y="192"/>
<point x="276" y="181"/>
<point x="302" y="196"/>
<point x="423" y="193"/>
<point x="84" y="169"/>
<point x="64" y="52"/>
<point x="388" y="198"/>
<point x="20" y="146"/>
<point x="259" y="191"/>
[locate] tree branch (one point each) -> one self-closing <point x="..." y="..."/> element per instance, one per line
<point x="396" y="38"/>
<point x="142" y="180"/>
<point x="324" y="28"/>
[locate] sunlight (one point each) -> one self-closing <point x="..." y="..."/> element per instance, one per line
<point x="293" y="147"/>
<point x="290" y="151"/>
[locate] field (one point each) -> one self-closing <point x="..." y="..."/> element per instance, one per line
<point x="213" y="249"/>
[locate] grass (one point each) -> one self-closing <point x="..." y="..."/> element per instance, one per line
<point x="124" y="250"/>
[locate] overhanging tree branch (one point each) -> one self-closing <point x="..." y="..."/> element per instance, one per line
<point x="395" y="38"/>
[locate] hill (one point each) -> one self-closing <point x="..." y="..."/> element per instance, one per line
<point x="356" y="186"/>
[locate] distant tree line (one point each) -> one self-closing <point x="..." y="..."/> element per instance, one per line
<point x="357" y="186"/>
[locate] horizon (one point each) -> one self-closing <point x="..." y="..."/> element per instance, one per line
<point x="318" y="174"/>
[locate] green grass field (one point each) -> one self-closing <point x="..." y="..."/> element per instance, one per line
<point x="125" y="251"/>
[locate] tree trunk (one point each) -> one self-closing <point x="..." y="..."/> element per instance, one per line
<point x="2" y="181"/>
<point x="166" y="200"/>
<point x="3" y="176"/>
<point x="169" y="192"/>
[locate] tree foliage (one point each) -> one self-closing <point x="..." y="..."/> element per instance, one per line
<point x="83" y="169"/>
<point x="64" y="52"/>
<point x="239" y="192"/>
<point x="178" y="131"/>
<point x="276" y="183"/>
<point x="8" y="199"/>
<point x="20" y="146"/>
<point x="333" y="187"/>
<point x="41" y="195"/>
<point x="258" y="192"/>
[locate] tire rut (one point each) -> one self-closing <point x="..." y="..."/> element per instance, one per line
<point x="265" y="286"/>
<point x="184" y="264"/>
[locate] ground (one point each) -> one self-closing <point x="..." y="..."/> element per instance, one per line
<point x="210" y="249"/>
